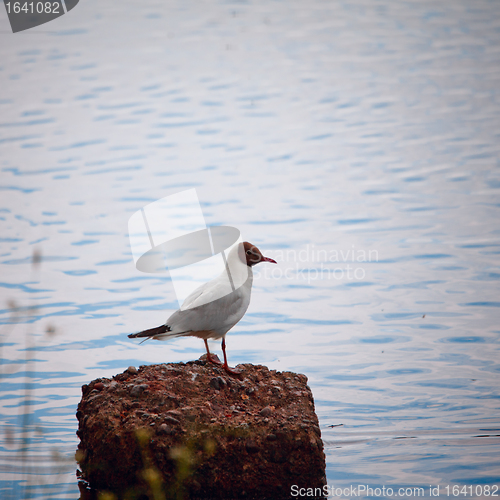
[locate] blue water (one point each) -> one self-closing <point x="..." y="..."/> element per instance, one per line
<point x="357" y="143"/>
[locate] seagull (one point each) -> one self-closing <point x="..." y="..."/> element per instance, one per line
<point x="201" y="317"/>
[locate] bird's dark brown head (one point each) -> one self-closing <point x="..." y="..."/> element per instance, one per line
<point x="254" y="255"/>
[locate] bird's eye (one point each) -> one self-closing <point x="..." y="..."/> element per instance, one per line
<point x="249" y="252"/>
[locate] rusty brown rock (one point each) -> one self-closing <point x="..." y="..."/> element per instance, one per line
<point x="189" y="429"/>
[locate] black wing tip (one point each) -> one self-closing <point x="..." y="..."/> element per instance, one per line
<point x="151" y="332"/>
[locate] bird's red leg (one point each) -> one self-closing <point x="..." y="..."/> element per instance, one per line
<point x="231" y="371"/>
<point x="210" y="357"/>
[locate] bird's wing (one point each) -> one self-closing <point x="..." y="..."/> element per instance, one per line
<point x="195" y="294"/>
<point x="208" y="292"/>
<point x="218" y="315"/>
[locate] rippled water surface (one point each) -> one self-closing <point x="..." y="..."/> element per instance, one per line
<point x="356" y="142"/>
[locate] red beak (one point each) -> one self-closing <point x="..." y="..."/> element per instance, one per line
<point x="267" y="259"/>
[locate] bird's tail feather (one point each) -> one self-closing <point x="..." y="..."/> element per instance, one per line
<point x="152" y="332"/>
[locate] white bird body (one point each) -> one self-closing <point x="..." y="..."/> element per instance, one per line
<point x="211" y="310"/>
<point x="213" y="318"/>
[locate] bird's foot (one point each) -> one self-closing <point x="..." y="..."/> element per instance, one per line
<point x="213" y="358"/>
<point x="234" y="372"/>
